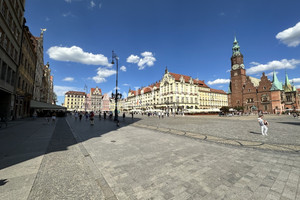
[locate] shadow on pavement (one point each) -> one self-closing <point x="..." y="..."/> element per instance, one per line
<point x="35" y="138"/>
<point x="3" y="181"/>
<point x="255" y="133"/>
<point x="290" y="123"/>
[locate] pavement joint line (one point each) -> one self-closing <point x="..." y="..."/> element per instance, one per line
<point x="40" y="165"/>
<point x="100" y="180"/>
<point x="233" y="142"/>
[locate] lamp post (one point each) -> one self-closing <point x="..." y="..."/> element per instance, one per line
<point x="116" y="95"/>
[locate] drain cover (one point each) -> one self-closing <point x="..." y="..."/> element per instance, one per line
<point x="113" y="141"/>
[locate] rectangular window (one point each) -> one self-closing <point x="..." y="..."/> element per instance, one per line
<point x="8" y="75"/>
<point x="13" y="77"/>
<point x="3" y="70"/>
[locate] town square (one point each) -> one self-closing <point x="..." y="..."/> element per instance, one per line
<point x="149" y="100"/>
<point x="182" y="157"/>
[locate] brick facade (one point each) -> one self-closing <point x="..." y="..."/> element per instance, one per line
<point x="254" y="94"/>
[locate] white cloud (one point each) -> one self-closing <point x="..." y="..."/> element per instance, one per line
<point x="290" y="36"/>
<point x="68" y="1"/>
<point x="297" y="86"/>
<point x="133" y="59"/>
<point x="228" y="70"/>
<point x="222" y="14"/>
<point x="76" y="54"/>
<point x="92" y="4"/>
<point x="100" y="5"/>
<point x="47" y="19"/>
<point x="271" y="74"/>
<point x="123" y="68"/>
<point x="69" y="79"/>
<point x="274" y="65"/>
<point x="61" y="90"/>
<point x="126" y="84"/>
<point x="102" y="74"/>
<point x="147" y="60"/>
<point x="218" y="81"/>
<point x="254" y="63"/>
<point x="296" y="80"/>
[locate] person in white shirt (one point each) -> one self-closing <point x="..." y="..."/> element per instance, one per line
<point x="263" y="125"/>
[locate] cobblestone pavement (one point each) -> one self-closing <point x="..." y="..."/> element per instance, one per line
<point x="284" y="131"/>
<point x="74" y="160"/>
<point x="139" y="163"/>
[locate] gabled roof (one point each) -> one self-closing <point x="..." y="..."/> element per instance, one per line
<point x="93" y="89"/>
<point x="187" y="79"/>
<point x="217" y="91"/>
<point x="255" y="81"/>
<point x="75" y="93"/>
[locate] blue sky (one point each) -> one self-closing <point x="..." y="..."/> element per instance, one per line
<point x="189" y="37"/>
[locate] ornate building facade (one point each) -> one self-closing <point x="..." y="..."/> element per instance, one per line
<point x="95" y="98"/>
<point x="25" y="75"/>
<point x="176" y="93"/>
<point x="75" y="101"/>
<point x="252" y="94"/>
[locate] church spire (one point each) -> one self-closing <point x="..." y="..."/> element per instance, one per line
<point x="287" y="84"/>
<point x="235" y="48"/>
<point x="276" y="85"/>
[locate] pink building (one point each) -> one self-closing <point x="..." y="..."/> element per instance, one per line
<point x="105" y="102"/>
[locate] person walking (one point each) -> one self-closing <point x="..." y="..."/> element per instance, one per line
<point x="53" y="118"/>
<point x="158" y="115"/>
<point x="100" y="115"/>
<point x="80" y="116"/>
<point x="92" y="118"/>
<point x="76" y="116"/>
<point x="132" y="115"/>
<point x="123" y="116"/>
<point x="263" y="125"/>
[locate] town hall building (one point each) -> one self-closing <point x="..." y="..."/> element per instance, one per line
<point x="252" y="94"/>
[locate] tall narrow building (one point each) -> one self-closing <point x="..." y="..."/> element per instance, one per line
<point x="11" y="29"/>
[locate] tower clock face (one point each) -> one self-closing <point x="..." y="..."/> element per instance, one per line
<point x="235" y="74"/>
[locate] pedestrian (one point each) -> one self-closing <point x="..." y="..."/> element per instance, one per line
<point x="34" y="114"/>
<point x="76" y="116"/>
<point x="99" y="115"/>
<point x="263" y="125"/>
<point x="158" y="115"/>
<point x="92" y="118"/>
<point x="80" y="116"/>
<point x="86" y="116"/>
<point x="132" y="115"/>
<point x="53" y="118"/>
<point x="123" y="116"/>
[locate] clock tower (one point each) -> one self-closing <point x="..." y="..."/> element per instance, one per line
<point x="238" y="75"/>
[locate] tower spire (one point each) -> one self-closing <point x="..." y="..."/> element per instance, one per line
<point x="235" y="48"/>
<point x="287" y="84"/>
<point x="276" y="85"/>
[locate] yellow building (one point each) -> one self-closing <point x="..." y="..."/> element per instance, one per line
<point x="177" y="93"/>
<point x="75" y="101"/>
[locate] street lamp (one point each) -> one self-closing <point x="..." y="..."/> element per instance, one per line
<point x="117" y="95"/>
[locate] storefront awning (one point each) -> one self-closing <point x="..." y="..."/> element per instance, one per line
<point x="45" y="106"/>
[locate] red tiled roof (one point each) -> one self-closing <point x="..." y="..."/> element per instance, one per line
<point x="75" y="92"/>
<point x="187" y="79"/>
<point x="217" y="91"/>
<point x="93" y="89"/>
<point x="298" y="89"/>
<point x="177" y="77"/>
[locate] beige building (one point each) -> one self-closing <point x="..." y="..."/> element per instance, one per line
<point x="75" y="101"/>
<point x="25" y="76"/>
<point x="177" y="93"/>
